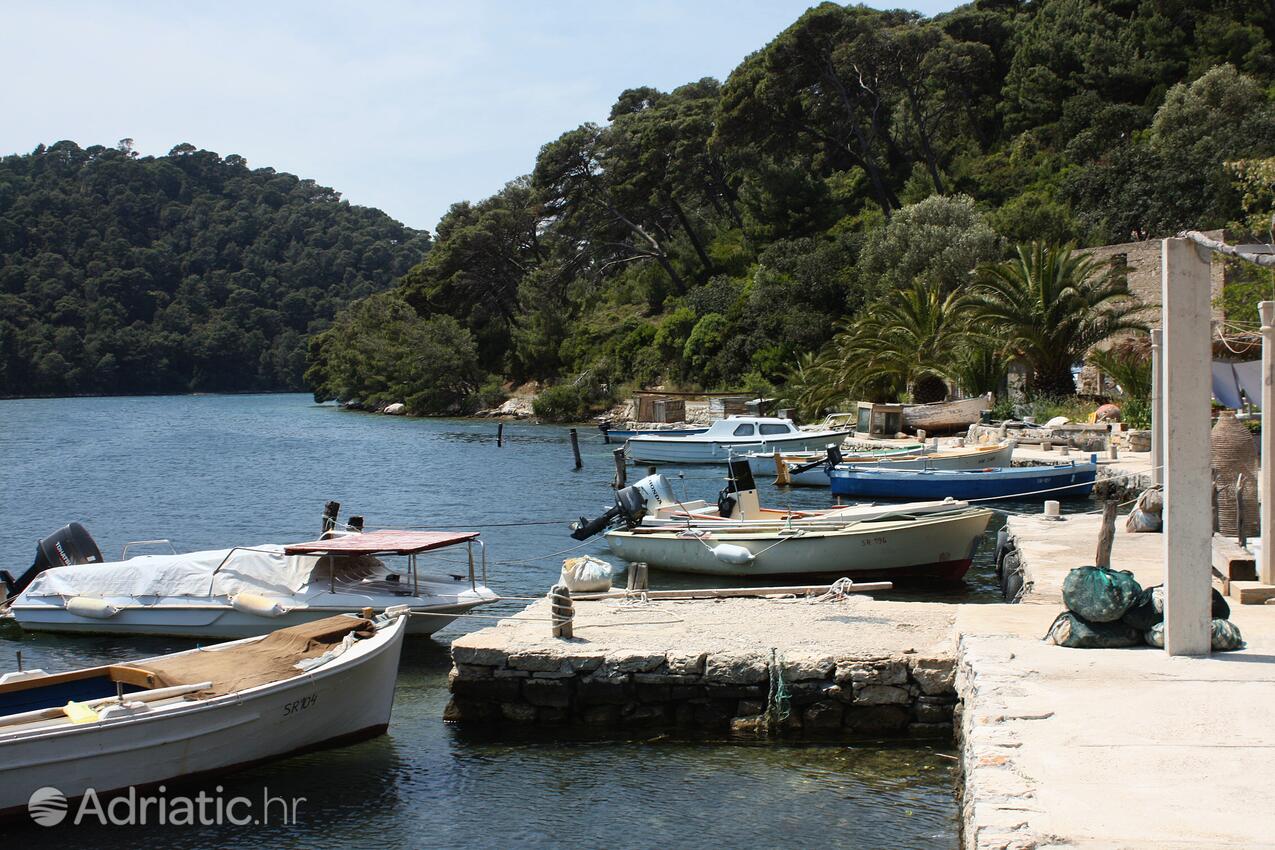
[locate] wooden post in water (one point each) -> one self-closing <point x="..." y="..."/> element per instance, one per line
<point x="330" y="511"/>
<point x="782" y="478"/>
<point x="355" y="524"/>
<point x="575" y="448"/>
<point x="562" y="611"/>
<point x="500" y="434"/>
<point x="621" y="471"/>
<point x="605" y="428"/>
<point x="1107" y="534"/>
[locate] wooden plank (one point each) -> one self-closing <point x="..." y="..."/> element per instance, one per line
<point x="1252" y="592"/>
<point x="1106" y="534"/>
<point x="730" y="592"/>
<point x="1232" y="561"/>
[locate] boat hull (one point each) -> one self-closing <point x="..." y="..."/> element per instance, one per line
<point x="216" y="622"/>
<point x="940" y="547"/>
<point x="955" y="460"/>
<point x="627" y="433"/>
<point x="346" y="699"/>
<point x="692" y="450"/>
<point x="1049" y="482"/>
<point x="945" y="417"/>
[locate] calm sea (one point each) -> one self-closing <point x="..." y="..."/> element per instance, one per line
<point x="214" y="471"/>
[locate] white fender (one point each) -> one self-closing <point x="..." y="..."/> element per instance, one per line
<point x="255" y="603"/>
<point x="87" y="606"/>
<point x="728" y="553"/>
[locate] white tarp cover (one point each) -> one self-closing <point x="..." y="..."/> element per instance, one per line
<point x="1230" y="378"/>
<point x="259" y="569"/>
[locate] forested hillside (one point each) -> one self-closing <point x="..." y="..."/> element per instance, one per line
<point x="714" y="234"/>
<point x="185" y="272"/>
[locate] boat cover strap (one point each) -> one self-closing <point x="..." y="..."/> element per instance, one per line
<point x="271" y="659"/>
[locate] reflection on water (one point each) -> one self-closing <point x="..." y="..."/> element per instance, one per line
<point x="212" y="471"/>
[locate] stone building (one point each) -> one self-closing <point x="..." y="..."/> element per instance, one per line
<point x="1143" y="259"/>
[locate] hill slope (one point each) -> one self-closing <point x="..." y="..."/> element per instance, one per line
<point x="185" y="272"/>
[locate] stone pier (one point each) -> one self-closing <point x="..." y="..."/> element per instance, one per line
<point x="855" y="667"/>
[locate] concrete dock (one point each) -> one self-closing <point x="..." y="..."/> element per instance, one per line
<point x="1124" y="748"/>
<point x="1118" y="748"/>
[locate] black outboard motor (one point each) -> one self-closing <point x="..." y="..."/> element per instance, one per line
<point x="629" y="507"/>
<point x="830" y="460"/>
<point x="741" y="479"/>
<point x="70" y="544"/>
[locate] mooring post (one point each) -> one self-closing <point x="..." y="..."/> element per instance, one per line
<point x="1188" y="548"/>
<point x="330" y="511"/>
<point x="575" y="447"/>
<point x="562" y="611"/>
<point x="605" y="428"/>
<point x="1240" y="538"/>
<point x="1266" y="473"/>
<point x="621" y="471"/>
<point x="500" y="434"/>
<point x="355" y="524"/>
<point x="1106" y="534"/>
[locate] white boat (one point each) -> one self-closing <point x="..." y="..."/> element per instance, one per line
<point x="946" y="417"/>
<point x="250" y="590"/>
<point x="739" y="505"/>
<point x="210" y="709"/>
<point x="939" y="545"/>
<point x="734" y="435"/>
<point x="807" y="471"/>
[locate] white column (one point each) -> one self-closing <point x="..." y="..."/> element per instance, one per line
<point x="1188" y="508"/>
<point x="1266" y="477"/>
<point x="1157" y="406"/>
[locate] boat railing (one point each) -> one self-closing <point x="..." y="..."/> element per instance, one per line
<point x="159" y="542"/>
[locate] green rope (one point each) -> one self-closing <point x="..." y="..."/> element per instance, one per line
<point x="779" y="701"/>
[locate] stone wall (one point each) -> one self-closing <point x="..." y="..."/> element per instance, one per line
<point x="744" y="692"/>
<point x="1145" y="274"/>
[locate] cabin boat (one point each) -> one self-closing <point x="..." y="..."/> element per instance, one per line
<point x="628" y="433"/>
<point x="737" y="537"/>
<point x="811" y="469"/>
<point x="210" y="709"/>
<point x="251" y="590"/>
<point x="1070" y="480"/>
<point x="726" y="437"/>
<point x="946" y="417"/>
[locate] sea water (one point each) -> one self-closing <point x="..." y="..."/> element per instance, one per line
<point x="215" y="471"/>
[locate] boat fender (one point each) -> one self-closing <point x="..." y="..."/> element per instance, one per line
<point x="255" y="603"/>
<point x="728" y="553"/>
<point x="87" y="606"/>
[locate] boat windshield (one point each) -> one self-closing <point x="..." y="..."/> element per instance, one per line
<point x="743" y="431"/>
<point x="774" y="429"/>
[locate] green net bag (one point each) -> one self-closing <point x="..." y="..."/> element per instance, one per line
<point x="1100" y="594"/>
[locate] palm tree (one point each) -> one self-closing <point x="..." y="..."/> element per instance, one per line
<point x="913" y="339"/>
<point x="1052" y="304"/>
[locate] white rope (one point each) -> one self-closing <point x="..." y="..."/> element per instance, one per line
<point x="1265" y="260"/>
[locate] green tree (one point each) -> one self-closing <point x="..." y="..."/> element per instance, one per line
<point x="1052" y="305"/>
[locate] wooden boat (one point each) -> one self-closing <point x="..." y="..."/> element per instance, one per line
<point x="937" y="546"/>
<point x="730" y="436"/>
<point x="811" y="473"/>
<point x="945" y="417"/>
<point x="210" y="709"/>
<point x="1072" y="480"/>
<point x="251" y="590"/>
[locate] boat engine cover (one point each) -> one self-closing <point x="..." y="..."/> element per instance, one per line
<point x="69" y="545"/>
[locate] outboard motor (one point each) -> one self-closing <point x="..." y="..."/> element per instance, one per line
<point x="740" y="492"/>
<point x="830" y="460"/>
<point x="630" y="507"/>
<point x="70" y="544"/>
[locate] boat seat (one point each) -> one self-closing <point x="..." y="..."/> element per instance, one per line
<point x="274" y="657"/>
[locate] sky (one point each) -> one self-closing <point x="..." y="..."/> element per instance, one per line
<point x="405" y="106"/>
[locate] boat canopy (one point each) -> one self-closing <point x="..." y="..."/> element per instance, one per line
<point x="384" y="542"/>
<point x="217" y="572"/>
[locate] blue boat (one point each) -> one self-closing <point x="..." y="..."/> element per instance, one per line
<point x="1072" y="480"/>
